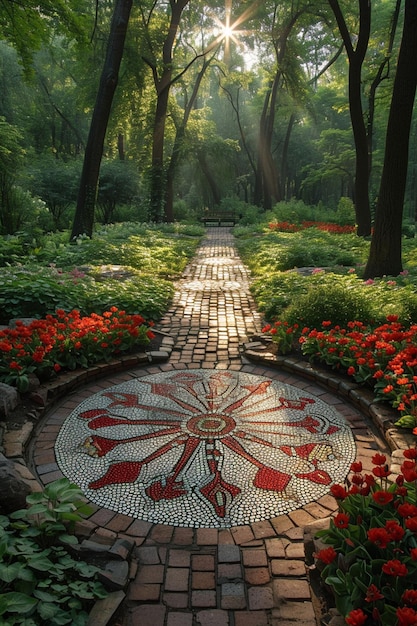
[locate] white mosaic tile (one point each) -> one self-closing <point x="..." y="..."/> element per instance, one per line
<point x="204" y="448"/>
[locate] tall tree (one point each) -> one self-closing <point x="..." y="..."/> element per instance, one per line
<point x="163" y="79"/>
<point x="267" y="182"/>
<point x="356" y="56"/>
<point x="84" y="214"/>
<point x="179" y="141"/>
<point x="385" y="252"/>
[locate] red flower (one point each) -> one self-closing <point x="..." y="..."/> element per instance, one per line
<point x="339" y="492"/>
<point x="382" y="497"/>
<point x="409" y="596"/>
<point x="379" y="536"/>
<point x="356" y="618"/>
<point x="413" y="554"/>
<point x="373" y="594"/>
<point x="382" y="471"/>
<point x="395" y="531"/>
<point x="411" y="524"/>
<point x="341" y="520"/>
<point x="379" y="459"/>
<point x="326" y="555"/>
<point x="356" y="467"/>
<point x="407" y="509"/>
<point x="410" y="453"/>
<point x="394" y="567"/>
<point x="406" y="616"/>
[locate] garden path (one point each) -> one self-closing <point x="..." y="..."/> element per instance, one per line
<point x="213" y="465"/>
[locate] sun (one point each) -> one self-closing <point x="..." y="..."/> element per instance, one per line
<point x="229" y="31"/>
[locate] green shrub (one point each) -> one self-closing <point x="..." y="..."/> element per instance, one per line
<point x="336" y="303"/>
<point x="280" y="251"/>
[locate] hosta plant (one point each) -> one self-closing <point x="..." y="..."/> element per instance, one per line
<point x="41" y="583"/>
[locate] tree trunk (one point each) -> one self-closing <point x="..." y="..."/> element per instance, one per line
<point x="356" y="57"/>
<point x="210" y="178"/>
<point x="385" y="252"/>
<point x="381" y="74"/>
<point x="163" y="84"/>
<point x="87" y="194"/>
<point x="178" y="144"/>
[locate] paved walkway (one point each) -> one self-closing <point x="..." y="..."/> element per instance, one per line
<point x="188" y="574"/>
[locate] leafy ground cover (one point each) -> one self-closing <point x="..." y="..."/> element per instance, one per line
<point x="130" y="266"/>
<point x="314" y="275"/>
<point x="40" y="580"/>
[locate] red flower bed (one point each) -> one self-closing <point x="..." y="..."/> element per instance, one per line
<point x="326" y="226"/>
<point x="67" y="340"/>
<point x="384" y="357"/>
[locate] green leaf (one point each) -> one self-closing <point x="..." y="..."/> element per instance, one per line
<point x="14" y="602"/>
<point x="44" y="596"/>
<point x="47" y="610"/>
<point x="37" y="509"/>
<point x="406" y="421"/>
<point x="41" y="563"/>
<point x="68" y="539"/>
<point x="9" y="573"/>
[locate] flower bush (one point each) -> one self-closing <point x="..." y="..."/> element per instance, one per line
<point x="371" y="561"/>
<point x="67" y="340"/>
<point x="282" y="335"/>
<point x="325" y="226"/>
<point x="384" y="357"/>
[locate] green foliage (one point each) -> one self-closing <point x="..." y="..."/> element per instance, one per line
<point x="67" y="276"/>
<point x="117" y="185"/>
<point x="56" y="183"/>
<point x="337" y="294"/>
<point x="280" y="251"/>
<point x="40" y="582"/>
<point x="336" y="302"/>
<point x="296" y="211"/>
<point x="33" y="291"/>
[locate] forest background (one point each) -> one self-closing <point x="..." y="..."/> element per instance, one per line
<point x="176" y="107"/>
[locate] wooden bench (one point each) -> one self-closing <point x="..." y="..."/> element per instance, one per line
<point x="220" y="218"/>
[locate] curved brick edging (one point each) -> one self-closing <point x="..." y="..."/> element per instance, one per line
<point x="14" y="440"/>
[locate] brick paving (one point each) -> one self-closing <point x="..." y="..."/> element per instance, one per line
<point x="251" y="575"/>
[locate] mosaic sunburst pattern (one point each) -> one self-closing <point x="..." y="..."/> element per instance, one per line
<point x="204" y="448"/>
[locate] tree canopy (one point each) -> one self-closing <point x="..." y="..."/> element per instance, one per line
<point x="215" y="102"/>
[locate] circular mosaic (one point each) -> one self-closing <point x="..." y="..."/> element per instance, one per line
<point x="204" y="448"/>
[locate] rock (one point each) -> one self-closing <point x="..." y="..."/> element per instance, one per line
<point x="13" y="489"/>
<point x="114" y="575"/>
<point x="104" y="609"/>
<point x="9" y="399"/>
<point x="25" y="320"/>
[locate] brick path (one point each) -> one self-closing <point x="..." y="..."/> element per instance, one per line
<point x="252" y="575"/>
